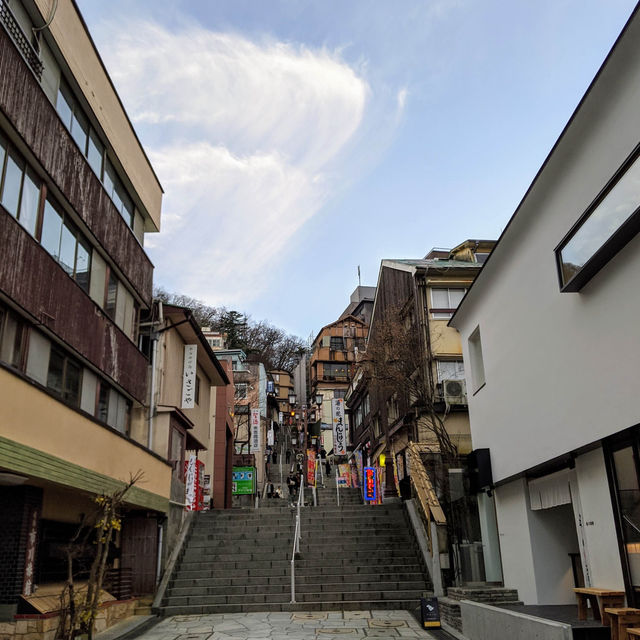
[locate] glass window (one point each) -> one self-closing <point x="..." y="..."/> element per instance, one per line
<point x="127" y="204"/>
<point x="95" y="153"/>
<point x="68" y="249"/>
<point x="55" y="376"/>
<point x="3" y="153"/>
<point x="445" y="301"/>
<point x="452" y="370"/>
<point x="12" y="183"/>
<point x="112" y="294"/>
<point x="12" y="339"/>
<point x="63" y="106"/>
<point x="109" y="177"/>
<point x="29" y="203"/>
<point x="83" y="264"/>
<point x="72" y="382"/>
<point x="51" y="230"/>
<point x="102" y="410"/>
<point x="336" y="343"/>
<point x="603" y="222"/>
<point x="80" y="130"/>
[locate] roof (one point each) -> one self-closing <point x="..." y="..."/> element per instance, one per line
<point x="338" y="321"/>
<point x="422" y="263"/>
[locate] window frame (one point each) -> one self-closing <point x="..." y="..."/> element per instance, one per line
<point x="624" y="233"/>
<point x="66" y="360"/>
<point x="444" y="313"/>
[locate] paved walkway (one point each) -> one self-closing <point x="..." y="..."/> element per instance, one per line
<point x="290" y="626"/>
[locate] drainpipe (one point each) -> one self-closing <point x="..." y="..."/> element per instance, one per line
<point x="152" y="391"/>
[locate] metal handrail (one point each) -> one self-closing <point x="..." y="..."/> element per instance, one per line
<point x="297" y="536"/>
<point x="337" y="487"/>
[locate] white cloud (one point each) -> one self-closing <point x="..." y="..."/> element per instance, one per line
<point x="248" y="136"/>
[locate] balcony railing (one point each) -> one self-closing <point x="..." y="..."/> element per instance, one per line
<point x="19" y="38"/>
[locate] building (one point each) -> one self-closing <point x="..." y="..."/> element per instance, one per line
<point x="550" y="334"/>
<point x="283" y="387"/>
<point x="409" y="385"/>
<point x="361" y="304"/>
<point x="77" y="195"/>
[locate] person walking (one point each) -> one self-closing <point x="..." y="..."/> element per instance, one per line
<point x="291" y="484"/>
<point x="287" y="457"/>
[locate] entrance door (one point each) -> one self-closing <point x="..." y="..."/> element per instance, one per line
<point x="140" y="552"/>
<point x="624" y="461"/>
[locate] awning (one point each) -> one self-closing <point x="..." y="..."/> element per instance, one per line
<point x="550" y="491"/>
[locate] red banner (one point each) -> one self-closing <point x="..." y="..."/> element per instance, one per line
<point x="311" y="468"/>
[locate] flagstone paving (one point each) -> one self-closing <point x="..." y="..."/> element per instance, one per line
<point x="290" y="626"/>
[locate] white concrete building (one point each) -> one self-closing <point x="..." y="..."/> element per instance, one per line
<point x="551" y="337"/>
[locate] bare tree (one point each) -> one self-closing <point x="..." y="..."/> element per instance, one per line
<point x="398" y="361"/>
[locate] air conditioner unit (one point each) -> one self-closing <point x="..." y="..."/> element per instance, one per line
<point x="454" y="391"/>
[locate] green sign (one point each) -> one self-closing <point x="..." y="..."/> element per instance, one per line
<point x="243" y="480"/>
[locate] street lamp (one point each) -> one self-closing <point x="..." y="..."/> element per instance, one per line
<point x="319" y="397"/>
<point x="292" y="398"/>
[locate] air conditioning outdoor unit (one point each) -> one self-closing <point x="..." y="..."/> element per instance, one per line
<point x="454" y="391"/>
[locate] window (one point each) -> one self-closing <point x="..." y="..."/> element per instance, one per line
<point x="334" y="371"/>
<point x="64" y="242"/>
<point x="20" y="188"/>
<point x="112" y="408"/>
<point x="64" y="377"/>
<point x="111" y="296"/>
<point x="481" y="256"/>
<point x="339" y="394"/>
<point x="13" y="334"/>
<point x="608" y="224"/>
<point x="366" y="407"/>
<point x="444" y="302"/>
<point x="241" y="390"/>
<point x="336" y="343"/>
<point x="477" y="362"/>
<point x="450" y="370"/>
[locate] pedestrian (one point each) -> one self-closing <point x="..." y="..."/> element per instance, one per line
<point x="287" y="457"/>
<point x="270" y="490"/>
<point x="327" y="466"/>
<point x="274" y="457"/>
<point x="291" y="484"/>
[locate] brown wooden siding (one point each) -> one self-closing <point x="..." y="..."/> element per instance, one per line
<point x="35" y="281"/>
<point x="33" y="116"/>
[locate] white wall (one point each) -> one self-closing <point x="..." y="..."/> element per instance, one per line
<point x="599" y="529"/>
<point x="515" y="540"/>
<point x="561" y="368"/>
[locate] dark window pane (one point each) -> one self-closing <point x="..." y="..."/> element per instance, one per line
<point x="112" y="292"/>
<point x="72" y="380"/>
<point x="12" y="183"/>
<point x="68" y="249"/>
<point x="336" y="343"/>
<point x="109" y="177"/>
<point x="3" y="153"/>
<point x="80" y="129"/>
<point x="83" y="264"/>
<point x="95" y="153"/>
<point x="103" y="402"/>
<point x="615" y="208"/>
<point x="51" y="230"/>
<point x="115" y="196"/>
<point x="127" y="205"/>
<point x="56" y="371"/>
<point x="29" y="203"/>
<point x="18" y="345"/>
<point x="64" y="106"/>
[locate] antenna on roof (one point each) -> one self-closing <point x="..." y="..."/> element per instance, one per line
<point x="359" y="281"/>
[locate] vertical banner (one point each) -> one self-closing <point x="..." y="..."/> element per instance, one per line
<point x="30" y="560"/>
<point x="339" y="427"/>
<point x="191" y="483"/>
<point x="370" y="485"/>
<point x="255" y="430"/>
<point x="280" y="418"/>
<point x="344" y="477"/>
<point x="189" y="376"/>
<point x="271" y="437"/>
<point x="311" y="468"/>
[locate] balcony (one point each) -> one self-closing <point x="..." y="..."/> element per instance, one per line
<point x="20" y="39"/>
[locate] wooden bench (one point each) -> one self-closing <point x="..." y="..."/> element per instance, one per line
<point x="599" y="599"/>
<point x="621" y="619"/>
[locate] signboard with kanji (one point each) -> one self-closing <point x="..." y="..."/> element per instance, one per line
<point x="339" y="427"/>
<point x="369" y="483"/>
<point x="189" y="376"/>
<point x="255" y="430"/>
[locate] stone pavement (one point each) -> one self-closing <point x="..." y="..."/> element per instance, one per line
<point x="388" y="624"/>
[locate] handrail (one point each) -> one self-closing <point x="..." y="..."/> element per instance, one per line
<point x="337" y="487"/>
<point x="297" y="536"/>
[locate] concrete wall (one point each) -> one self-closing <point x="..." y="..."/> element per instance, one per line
<point x="557" y="364"/>
<point x="484" y="622"/>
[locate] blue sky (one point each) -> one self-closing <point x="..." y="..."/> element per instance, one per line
<point x="299" y="139"/>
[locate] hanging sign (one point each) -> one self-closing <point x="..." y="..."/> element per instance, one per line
<point x="311" y="468"/>
<point x="189" y="376"/>
<point x="280" y="417"/>
<point x="255" y="430"/>
<point x="191" y="483"/>
<point x="339" y="427"/>
<point x="370" y="483"/>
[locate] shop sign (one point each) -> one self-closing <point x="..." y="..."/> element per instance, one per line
<point x="255" y="430"/>
<point x="339" y="427"/>
<point x="30" y="560"/>
<point x="191" y="483"/>
<point x="243" y="480"/>
<point x="430" y="612"/>
<point x="311" y="468"/>
<point x="369" y="483"/>
<point x="189" y="376"/>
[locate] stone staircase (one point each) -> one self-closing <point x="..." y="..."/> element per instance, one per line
<point x="351" y="557"/>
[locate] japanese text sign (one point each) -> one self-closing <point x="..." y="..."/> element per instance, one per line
<point x="189" y="376"/>
<point x="255" y="430"/>
<point x="339" y="427"/>
<point x="369" y="483"/>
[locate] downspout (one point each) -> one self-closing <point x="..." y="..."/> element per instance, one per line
<point x="152" y="390"/>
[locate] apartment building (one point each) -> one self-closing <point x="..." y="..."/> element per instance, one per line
<point x="77" y="195"/>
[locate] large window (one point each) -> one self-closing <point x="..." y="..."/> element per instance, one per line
<point x="334" y="370"/>
<point x="477" y="360"/>
<point x="66" y="244"/>
<point x="76" y="121"/>
<point x="450" y="370"/>
<point x="64" y="377"/>
<point x="12" y="339"/>
<point x="444" y="302"/>
<point x="607" y="225"/>
<point x="336" y="343"/>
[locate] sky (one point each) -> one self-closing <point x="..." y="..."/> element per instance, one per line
<point x="297" y="140"/>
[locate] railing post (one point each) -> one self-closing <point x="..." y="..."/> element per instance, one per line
<point x="337" y="488"/>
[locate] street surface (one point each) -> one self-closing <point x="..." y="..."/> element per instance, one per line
<point x="290" y="626"/>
